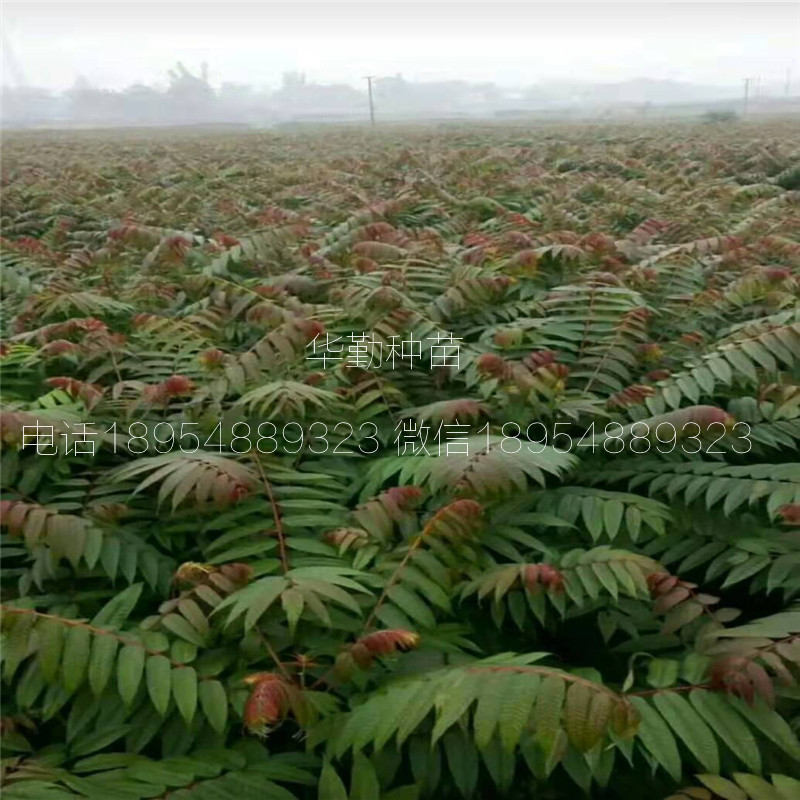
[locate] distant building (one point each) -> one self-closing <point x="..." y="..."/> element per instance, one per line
<point x="298" y="99"/>
<point x="397" y="97"/>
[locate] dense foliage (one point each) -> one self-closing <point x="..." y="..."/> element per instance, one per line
<point x="577" y="606"/>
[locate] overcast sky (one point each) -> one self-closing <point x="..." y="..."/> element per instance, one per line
<point x="114" y="44"/>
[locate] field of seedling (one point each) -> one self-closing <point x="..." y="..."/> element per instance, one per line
<point x="456" y="461"/>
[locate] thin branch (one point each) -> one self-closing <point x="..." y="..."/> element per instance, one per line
<point x="392" y="581"/>
<point x="276" y="515"/>
<point x="650" y="692"/>
<point x="274" y="656"/>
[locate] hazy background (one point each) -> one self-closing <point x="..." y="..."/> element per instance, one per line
<point x="534" y="54"/>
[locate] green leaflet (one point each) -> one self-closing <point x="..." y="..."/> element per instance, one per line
<point x="516" y="708"/>
<point x="374" y="721"/>
<point x="330" y="785"/>
<point x="613" y="511"/>
<point x="723" y="787"/>
<point x="770" y="724"/>
<point x="500" y="764"/>
<point x="159" y="681"/>
<point x="77" y="648"/>
<point x="601" y="710"/>
<point x="98" y="740"/>
<point x="453" y="700"/>
<point x="293" y="603"/>
<point x="657" y="738"/>
<point x="778" y="626"/>
<point x="15" y="644"/>
<point x="689" y="727"/>
<point x="184" y="690"/>
<point x="180" y="627"/>
<point x="101" y="663"/>
<point x="786" y="786"/>
<point x="214" y="702"/>
<point x="576" y="715"/>
<point x="547" y="712"/>
<point x="493" y="691"/>
<point x="411" y="604"/>
<point x="420" y="705"/>
<point x="130" y="666"/>
<point x="119" y="608"/>
<point x="51" y="644"/>
<point x="724" y="721"/>
<point x="253" y="601"/>
<point x="662" y="672"/>
<point x="592" y="514"/>
<point x="364" y="783"/>
<point x="462" y="760"/>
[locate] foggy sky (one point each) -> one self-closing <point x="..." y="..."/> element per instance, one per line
<point x="114" y="44"/>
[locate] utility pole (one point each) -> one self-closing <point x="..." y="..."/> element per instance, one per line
<point x="746" y="95"/>
<point x="368" y="79"/>
<point x="788" y="81"/>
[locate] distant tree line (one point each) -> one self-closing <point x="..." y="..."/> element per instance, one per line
<point x="188" y="97"/>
